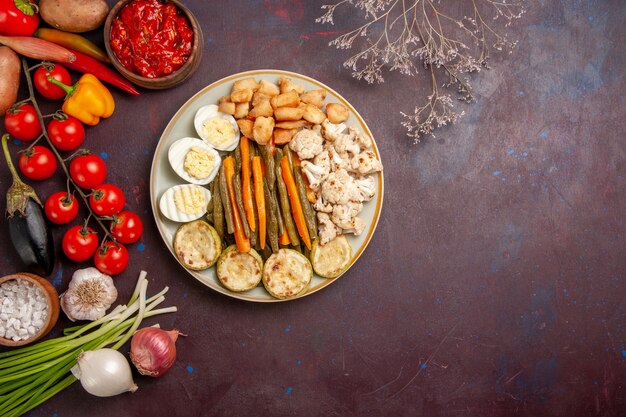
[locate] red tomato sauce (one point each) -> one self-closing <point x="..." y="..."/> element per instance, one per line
<point x="151" y="38"/>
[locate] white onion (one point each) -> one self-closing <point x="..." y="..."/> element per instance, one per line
<point x="104" y="372"/>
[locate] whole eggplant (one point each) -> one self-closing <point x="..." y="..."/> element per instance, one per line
<point x="28" y="230"/>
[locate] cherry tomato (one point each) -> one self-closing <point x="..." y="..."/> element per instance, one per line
<point x="22" y="122"/>
<point x="14" y="21"/>
<point x="66" y="134"/>
<point x="107" y="200"/>
<point x="111" y="258"/>
<point x="45" y="87"/>
<point x="127" y="227"/>
<point x="79" y="243"/>
<point x="38" y="163"/>
<point x="88" y="171"/>
<point x="61" y="207"/>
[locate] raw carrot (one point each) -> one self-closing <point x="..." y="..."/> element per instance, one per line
<point x="257" y="175"/>
<point x="296" y="206"/>
<point x="245" y="182"/>
<point x="243" y="243"/>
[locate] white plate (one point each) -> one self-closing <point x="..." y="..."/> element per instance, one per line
<point x="162" y="176"/>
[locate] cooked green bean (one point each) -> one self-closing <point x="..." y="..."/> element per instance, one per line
<point x="268" y="158"/>
<point x="237" y="156"/>
<point x="287" y="152"/>
<point x="309" y="213"/>
<point x="239" y="203"/>
<point x="209" y="206"/>
<point x="228" y="208"/>
<point x="254" y="234"/>
<point x="218" y="209"/>
<point x="272" y="220"/>
<point x="286" y="209"/>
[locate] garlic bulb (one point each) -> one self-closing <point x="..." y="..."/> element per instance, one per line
<point x="104" y="372"/>
<point x="89" y="295"/>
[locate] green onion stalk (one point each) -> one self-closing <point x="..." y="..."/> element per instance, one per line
<point x="33" y="374"/>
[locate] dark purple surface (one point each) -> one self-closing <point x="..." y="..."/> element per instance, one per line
<point x="495" y="282"/>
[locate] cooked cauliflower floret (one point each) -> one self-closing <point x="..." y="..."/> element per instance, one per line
<point x="337" y="161"/>
<point x="346" y="144"/>
<point x="322" y="207"/>
<point x="330" y="131"/>
<point x="367" y="188"/>
<point x="365" y="163"/>
<point x="358" y="226"/>
<point x="322" y="160"/>
<point x="344" y="214"/>
<point x="315" y="173"/>
<point x="339" y="188"/>
<point x="327" y="230"/>
<point x="307" y="143"/>
<point x="362" y="139"/>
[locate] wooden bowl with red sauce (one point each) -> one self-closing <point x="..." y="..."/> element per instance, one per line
<point x="158" y="81"/>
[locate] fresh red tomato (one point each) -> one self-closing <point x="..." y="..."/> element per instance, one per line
<point x="61" y="207"/>
<point x="88" y="171"/>
<point x="66" y="134"/>
<point x="45" y="87"/>
<point x="79" y="243"/>
<point x="107" y="200"/>
<point x="18" y="18"/>
<point x="38" y="163"/>
<point x="127" y="227"/>
<point x="22" y="122"/>
<point x="111" y="258"/>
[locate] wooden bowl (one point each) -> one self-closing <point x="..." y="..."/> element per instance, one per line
<point x="170" y="80"/>
<point x="52" y="299"/>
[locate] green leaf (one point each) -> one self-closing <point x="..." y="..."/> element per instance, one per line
<point x="25" y="7"/>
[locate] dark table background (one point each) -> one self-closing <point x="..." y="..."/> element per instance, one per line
<point x="495" y="282"/>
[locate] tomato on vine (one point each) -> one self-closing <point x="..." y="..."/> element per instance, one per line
<point x="45" y="87"/>
<point x="107" y="200"/>
<point x="61" y="207"/>
<point x="67" y="133"/>
<point x="37" y="163"/>
<point x="88" y="171"/>
<point x="79" y="243"/>
<point x="127" y="227"/>
<point x="22" y="122"/>
<point x="111" y="258"/>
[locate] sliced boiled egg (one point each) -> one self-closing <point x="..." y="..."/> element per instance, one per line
<point x="184" y="203"/>
<point x="194" y="160"/>
<point x="218" y="129"/>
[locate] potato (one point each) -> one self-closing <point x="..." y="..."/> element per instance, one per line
<point x="315" y="97"/>
<point x="283" y="136"/>
<point x="245" y="84"/>
<point x="268" y="88"/>
<point x="288" y="113"/>
<point x="10" y="81"/>
<point x="225" y="99"/>
<point x="241" y="110"/>
<point x="258" y="97"/>
<point x="286" y="85"/>
<point x="337" y="113"/>
<point x="263" y="109"/>
<point x="313" y="114"/>
<point x="74" y="15"/>
<point x="263" y="129"/>
<point x="228" y="108"/>
<point x="241" y="96"/>
<point x="290" y="124"/>
<point x="246" y="126"/>
<point x="290" y="99"/>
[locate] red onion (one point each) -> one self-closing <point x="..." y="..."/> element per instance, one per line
<point x="153" y="350"/>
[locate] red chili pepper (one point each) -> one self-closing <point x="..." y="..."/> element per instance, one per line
<point x="87" y="64"/>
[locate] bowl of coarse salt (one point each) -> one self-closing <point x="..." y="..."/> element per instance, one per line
<point x="29" y="308"/>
